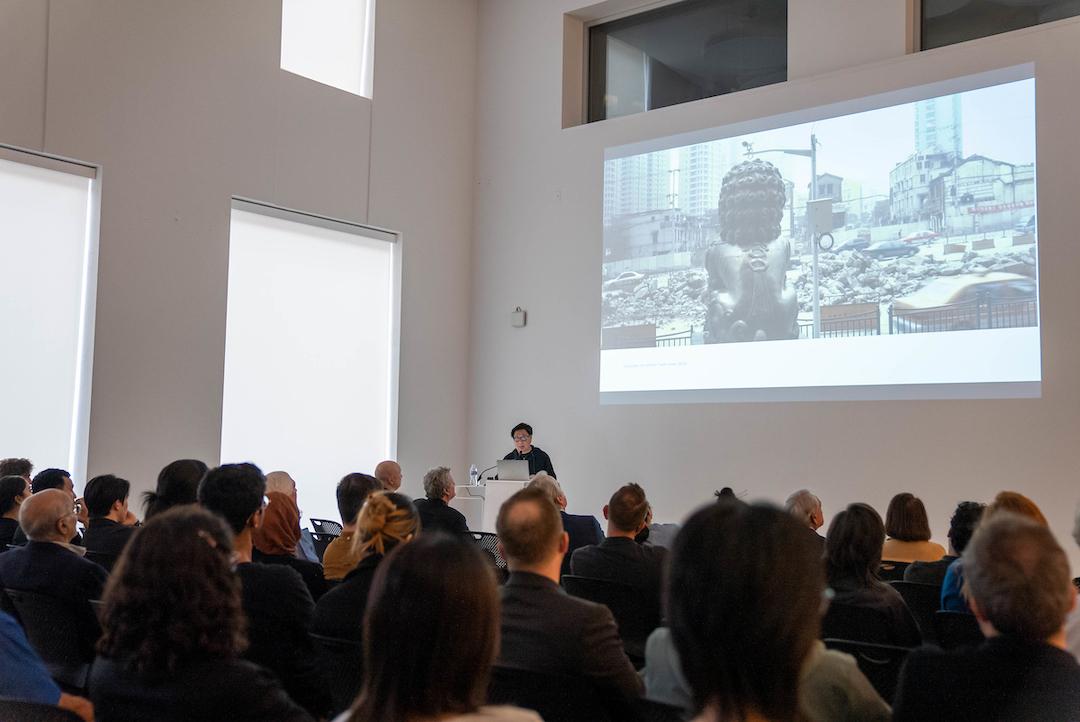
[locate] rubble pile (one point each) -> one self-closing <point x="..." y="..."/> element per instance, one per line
<point x="652" y="301"/>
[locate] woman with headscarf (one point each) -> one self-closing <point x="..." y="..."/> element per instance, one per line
<point x="277" y="538"/>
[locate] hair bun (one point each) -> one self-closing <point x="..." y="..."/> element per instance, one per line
<point x="374" y="514"/>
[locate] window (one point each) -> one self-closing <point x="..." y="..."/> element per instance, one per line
<point x="945" y="22"/>
<point x="48" y="250"/>
<point x="311" y="340"/>
<point x="685" y="51"/>
<point x="330" y="41"/>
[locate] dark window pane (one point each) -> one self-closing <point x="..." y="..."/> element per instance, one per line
<point x="945" y="22"/>
<point x="685" y="51"/>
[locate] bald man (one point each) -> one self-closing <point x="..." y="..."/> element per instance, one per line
<point x="389" y="474"/>
<point x="50" y="566"/>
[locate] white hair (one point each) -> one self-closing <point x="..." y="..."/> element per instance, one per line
<point x="437" y="482"/>
<point x="803" y="505"/>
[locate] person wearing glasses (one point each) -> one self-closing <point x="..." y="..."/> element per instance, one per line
<point x="525" y="451"/>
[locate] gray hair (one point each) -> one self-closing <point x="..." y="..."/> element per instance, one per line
<point x="437" y="482"/>
<point x="548" y="484"/>
<point x="802" y="505"/>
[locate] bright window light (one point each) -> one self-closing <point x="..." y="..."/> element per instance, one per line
<point x="310" y="351"/>
<point x="330" y="41"/>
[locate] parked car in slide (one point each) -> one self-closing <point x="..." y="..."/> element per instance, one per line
<point x="921" y="237"/>
<point x="890" y="249"/>
<point x="625" y="281"/>
<point x="855" y="244"/>
<point x="968" y="301"/>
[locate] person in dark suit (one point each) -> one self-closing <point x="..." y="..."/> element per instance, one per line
<point x="961" y="527"/>
<point x="50" y="566"/>
<point x="543" y="628"/>
<point x="806" y="507"/>
<point x="275" y="600"/>
<point x="539" y="461"/>
<point x="54" y="479"/>
<point x="1021" y="593"/>
<point x="111" y="523"/>
<point x="583" y="529"/>
<point x="619" y="558"/>
<point x="435" y="511"/>
<point x="173" y="631"/>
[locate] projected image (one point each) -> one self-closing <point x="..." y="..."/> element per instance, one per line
<point x="912" y="219"/>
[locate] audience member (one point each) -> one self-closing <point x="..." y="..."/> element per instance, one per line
<point x="50" y="566"/>
<point x="1021" y="591"/>
<point x="174" y="631"/>
<point x="25" y="677"/>
<point x="111" y="523"/>
<point x="386" y="520"/>
<point x="806" y="507"/>
<point x="274" y="597"/>
<point x="752" y="650"/>
<point x="539" y="461"/>
<point x="435" y="511"/>
<point x="619" y="558"/>
<point x="952" y="586"/>
<point x="961" y="527"/>
<point x="14" y="490"/>
<point x="389" y="475"/>
<point x="177" y="483"/>
<point x="16" y="467"/>
<point x="543" y="628"/>
<point x="57" y="479"/>
<point x="341" y="555"/>
<point x="908" y="529"/>
<point x="582" y="529"/>
<point x="863" y="607"/>
<point x="431" y="633"/>
<point x="276" y="539"/>
<point x="1072" y="625"/>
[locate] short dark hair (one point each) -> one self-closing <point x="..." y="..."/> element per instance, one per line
<point x="731" y="557"/>
<point x="905" y="519"/>
<point x="177" y="483"/>
<point x="12" y="486"/>
<point x="102" y="492"/>
<point x="352" y="491"/>
<point x="16" y="467"/>
<point x="628" y="508"/>
<point x="963" y="524"/>
<point x="431" y="632"/>
<point x="49" y="479"/>
<point x="528" y="539"/>
<point x="853" y="545"/>
<point x="234" y="492"/>
<point x="521" y="427"/>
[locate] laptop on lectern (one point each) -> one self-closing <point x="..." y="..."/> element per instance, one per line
<point x="510" y="470"/>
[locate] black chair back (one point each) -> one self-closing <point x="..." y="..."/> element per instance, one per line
<point x="957" y="629"/>
<point x="923" y="601"/>
<point x="321" y="541"/>
<point x="342" y="662"/>
<point x="17" y="709"/>
<point x="860" y="624"/>
<point x="892" y="571"/>
<point x="53" y="628"/>
<point x="326" y="526"/>
<point x="558" y="697"/>
<point x="637" y="617"/>
<point x="880" y="663"/>
<point x="102" y="559"/>
<point x="489" y="544"/>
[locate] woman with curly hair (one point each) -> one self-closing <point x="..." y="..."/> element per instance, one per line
<point x="173" y="631"/>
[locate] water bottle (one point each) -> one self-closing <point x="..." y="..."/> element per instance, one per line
<point x="474" y="476"/>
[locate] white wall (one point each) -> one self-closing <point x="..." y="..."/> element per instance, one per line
<point x="538" y="245"/>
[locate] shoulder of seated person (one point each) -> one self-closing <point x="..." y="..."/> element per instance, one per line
<point x="281" y="573"/>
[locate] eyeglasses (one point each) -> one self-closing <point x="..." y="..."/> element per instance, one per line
<point x="522" y="438"/>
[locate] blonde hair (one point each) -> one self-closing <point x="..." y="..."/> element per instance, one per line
<point x="386" y="519"/>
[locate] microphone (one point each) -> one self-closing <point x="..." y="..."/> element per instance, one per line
<point x="481" y="474"/>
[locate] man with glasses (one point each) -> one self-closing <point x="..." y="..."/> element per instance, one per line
<point x="525" y="451"/>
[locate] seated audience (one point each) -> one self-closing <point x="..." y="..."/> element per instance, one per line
<point x="341" y="555"/>
<point x="619" y="558"/>
<point x="753" y="643"/>
<point x="543" y="628"/>
<point x="431" y="633"/>
<point x="389" y="475"/>
<point x="386" y="520"/>
<point x="25" y="677"/>
<point x="17" y="467"/>
<point x="961" y="527"/>
<point x="277" y="538"/>
<point x="908" y="529"/>
<point x="863" y="608"/>
<point x="806" y="507"/>
<point x="435" y="512"/>
<point x="275" y="600"/>
<point x="177" y="483"/>
<point x="173" y="631"/>
<point x="583" y="529"/>
<point x="1020" y="593"/>
<point x="952" y="586"/>
<point x="111" y="524"/>
<point x="14" y="490"/>
<point x="57" y="479"/>
<point x="50" y="566"/>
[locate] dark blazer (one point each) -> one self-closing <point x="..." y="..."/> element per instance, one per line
<point x="52" y="570"/>
<point x="105" y="536"/>
<point x="310" y="572"/>
<point x="279" y="608"/>
<point x="8" y="528"/>
<point x="619" y="559"/>
<point x="583" y="530"/>
<point x="340" y="613"/>
<point x="929" y="572"/>
<point x="216" y="689"/>
<point x="875" y="613"/>
<point x="1002" y="679"/>
<point x="546" y="630"/>
<point x="437" y="515"/>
